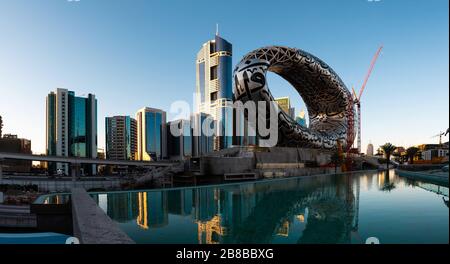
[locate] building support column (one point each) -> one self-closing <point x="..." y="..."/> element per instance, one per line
<point x="1" y="169"/>
<point x="74" y="171"/>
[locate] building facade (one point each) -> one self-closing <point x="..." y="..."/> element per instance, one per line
<point x="369" y="150"/>
<point x="432" y="154"/>
<point x="214" y="95"/>
<point x="151" y="134"/>
<point x="285" y="104"/>
<point x="121" y="138"/>
<point x="71" y="128"/>
<point x="13" y="144"/>
<point x="301" y="119"/>
<point x="179" y="139"/>
<point x="202" y="137"/>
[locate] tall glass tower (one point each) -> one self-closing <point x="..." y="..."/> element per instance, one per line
<point x="214" y="95"/>
<point x="121" y="138"/>
<point x="151" y="134"/>
<point x="71" y="128"/>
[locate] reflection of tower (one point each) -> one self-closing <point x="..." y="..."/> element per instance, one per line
<point x="180" y="202"/>
<point x="120" y="207"/>
<point x="283" y="230"/>
<point x="153" y="209"/>
<point x="300" y="218"/>
<point x="142" y="217"/>
<point x="205" y="204"/>
<point x="211" y="231"/>
<point x="356" y="218"/>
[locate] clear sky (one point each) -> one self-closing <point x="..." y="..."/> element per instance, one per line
<point x="138" y="53"/>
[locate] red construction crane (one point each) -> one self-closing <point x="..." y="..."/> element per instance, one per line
<point x="357" y="99"/>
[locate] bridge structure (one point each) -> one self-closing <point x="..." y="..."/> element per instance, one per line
<point x="75" y="162"/>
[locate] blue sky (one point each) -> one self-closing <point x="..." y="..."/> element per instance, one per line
<point x="142" y="53"/>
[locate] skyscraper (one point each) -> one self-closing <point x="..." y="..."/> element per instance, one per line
<point x="151" y="134"/>
<point x="121" y="138"/>
<point x="71" y="128"/>
<point x="179" y="146"/>
<point x="214" y="95"/>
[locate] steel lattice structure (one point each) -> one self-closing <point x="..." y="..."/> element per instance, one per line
<point x="328" y="101"/>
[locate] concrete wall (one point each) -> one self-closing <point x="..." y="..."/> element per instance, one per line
<point x="277" y="160"/>
<point x="222" y="165"/>
<point x="278" y="173"/>
<point x="91" y="225"/>
<point x="46" y="185"/>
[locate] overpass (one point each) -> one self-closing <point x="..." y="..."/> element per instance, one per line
<point x="75" y="162"/>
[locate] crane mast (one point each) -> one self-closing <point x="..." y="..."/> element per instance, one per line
<point x="358" y="98"/>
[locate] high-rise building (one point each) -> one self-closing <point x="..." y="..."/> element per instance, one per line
<point x="369" y="149"/>
<point x="151" y="134"/>
<point x="214" y="95"/>
<point x="285" y="104"/>
<point x="121" y="138"/>
<point x="179" y="141"/>
<point x="71" y="128"/>
<point x="301" y="119"/>
<point x="202" y="137"/>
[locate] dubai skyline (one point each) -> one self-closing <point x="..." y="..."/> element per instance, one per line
<point x="132" y="56"/>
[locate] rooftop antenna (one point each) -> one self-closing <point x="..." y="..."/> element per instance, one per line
<point x="217" y="29"/>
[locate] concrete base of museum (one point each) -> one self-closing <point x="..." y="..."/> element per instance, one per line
<point x="264" y="162"/>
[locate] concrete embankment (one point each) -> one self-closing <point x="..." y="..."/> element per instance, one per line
<point x="433" y="176"/>
<point x="12" y="216"/>
<point x="91" y="225"/>
<point x="266" y="162"/>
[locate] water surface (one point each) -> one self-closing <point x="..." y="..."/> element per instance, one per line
<point x="324" y="209"/>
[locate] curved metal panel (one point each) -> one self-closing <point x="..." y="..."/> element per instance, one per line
<point x="329" y="102"/>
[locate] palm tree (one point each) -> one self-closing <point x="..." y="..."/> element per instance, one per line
<point x="411" y="153"/>
<point x="388" y="149"/>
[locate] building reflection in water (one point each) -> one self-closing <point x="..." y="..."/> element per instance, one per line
<point x="57" y="199"/>
<point x="153" y="210"/>
<point x="211" y="232"/>
<point x="326" y="208"/>
<point x="386" y="181"/>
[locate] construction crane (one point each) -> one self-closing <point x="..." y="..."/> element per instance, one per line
<point x="357" y="98"/>
<point x="440" y="136"/>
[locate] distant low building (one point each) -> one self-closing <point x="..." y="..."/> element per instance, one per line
<point x="13" y="144"/>
<point x="432" y="154"/>
<point x="425" y="147"/>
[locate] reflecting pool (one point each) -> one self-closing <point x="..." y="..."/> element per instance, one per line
<point x="322" y="209"/>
